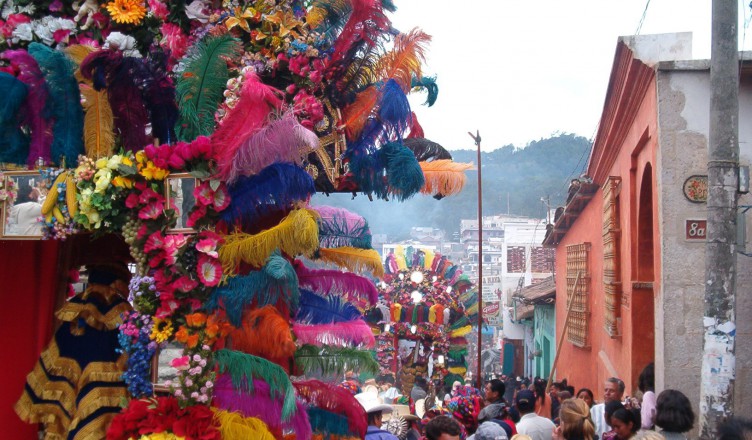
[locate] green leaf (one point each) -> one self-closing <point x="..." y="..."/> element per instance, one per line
<point x="126" y="170"/>
<point x="214" y="184"/>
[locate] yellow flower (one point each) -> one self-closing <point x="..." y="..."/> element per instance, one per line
<point x="102" y="180"/>
<point x="162" y="330"/>
<point x="127" y="161"/>
<point x="127" y="11"/>
<point x="141" y="157"/>
<point x="114" y="161"/>
<point x="122" y="182"/>
<point x="151" y="172"/>
<point x="101" y="163"/>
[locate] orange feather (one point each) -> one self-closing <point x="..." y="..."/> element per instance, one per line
<point x="356" y="114"/>
<point x="264" y="333"/>
<point x="404" y="61"/>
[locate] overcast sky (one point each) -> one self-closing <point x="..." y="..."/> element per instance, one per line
<point x="522" y="70"/>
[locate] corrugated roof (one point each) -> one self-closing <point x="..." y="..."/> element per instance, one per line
<point x="524" y="311"/>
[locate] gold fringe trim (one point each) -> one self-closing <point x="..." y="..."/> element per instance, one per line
<point x="297" y="233"/>
<point x="53" y="418"/>
<point x="71" y="370"/>
<point x="444" y="176"/>
<point x="93" y="317"/>
<point x="233" y="426"/>
<point x="458" y="370"/>
<point x="60" y="366"/>
<point x="354" y="259"/>
<point x="96" y="399"/>
<point x="95" y="429"/>
<point x="45" y="389"/>
<point x="118" y="288"/>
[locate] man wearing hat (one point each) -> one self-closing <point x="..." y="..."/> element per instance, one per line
<point x="537" y="427"/>
<point x="375" y="409"/>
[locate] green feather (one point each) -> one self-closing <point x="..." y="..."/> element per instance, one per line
<point x="335" y="361"/>
<point x="201" y="85"/>
<point x="246" y="366"/>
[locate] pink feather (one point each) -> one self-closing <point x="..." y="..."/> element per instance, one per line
<point x="341" y="334"/>
<point x="250" y="114"/>
<point x="259" y="404"/>
<point x="334" y="399"/>
<point x="357" y="289"/>
<point x="34" y="114"/>
<point x="353" y="220"/>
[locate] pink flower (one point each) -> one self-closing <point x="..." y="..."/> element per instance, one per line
<point x="61" y="35"/>
<point x="176" y="162"/>
<point x="151" y="211"/>
<point x="221" y="198"/>
<point x="156" y="241"/>
<point x="181" y="363"/>
<point x="132" y="200"/>
<point x="11" y="23"/>
<point x="204" y="193"/>
<point x="208" y="247"/>
<point x="185" y="284"/>
<point x="209" y="271"/>
<point x="197" y="214"/>
<point x="201" y="147"/>
<point x="55" y="6"/>
<point x="158" y="9"/>
<point x="174" y="39"/>
<point x="148" y="195"/>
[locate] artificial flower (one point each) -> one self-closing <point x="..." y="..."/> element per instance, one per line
<point x="185" y="284"/>
<point x="122" y="182"/>
<point x="152" y="172"/>
<point x="151" y="211"/>
<point x="180" y="363"/>
<point x="126" y="11"/>
<point x="158" y="9"/>
<point x="195" y="320"/>
<point x="209" y="270"/>
<point x="161" y="330"/>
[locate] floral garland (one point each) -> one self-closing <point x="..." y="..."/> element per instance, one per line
<point x="135" y="340"/>
<point x="163" y="418"/>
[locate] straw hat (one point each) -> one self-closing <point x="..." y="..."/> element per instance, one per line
<point x="371" y="402"/>
<point x="402" y="411"/>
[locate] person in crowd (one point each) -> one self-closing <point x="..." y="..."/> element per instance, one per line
<point x="537" y="427"/>
<point x="495" y="406"/>
<point x="673" y="414"/>
<point x="419" y="388"/>
<point x="626" y="423"/>
<point x="609" y="410"/>
<point x="489" y="431"/>
<point x="25" y="216"/>
<point x="542" y="405"/>
<point x="612" y="390"/>
<point x="576" y="423"/>
<point x="735" y="428"/>
<point x="553" y="394"/>
<point x="387" y="390"/>
<point x="586" y="395"/>
<point x="646" y="384"/>
<point x="649" y="435"/>
<point x="375" y="409"/>
<point x="442" y="428"/>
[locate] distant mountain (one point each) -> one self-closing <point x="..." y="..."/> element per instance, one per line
<point x="516" y="178"/>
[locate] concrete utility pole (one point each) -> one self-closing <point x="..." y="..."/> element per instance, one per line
<point x="718" y="357"/>
<point x="479" y="379"/>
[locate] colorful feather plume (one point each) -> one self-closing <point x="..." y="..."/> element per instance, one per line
<point x="256" y="103"/>
<point x="341" y="334"/>
<point x="336" y="400"/>
<point x="364" y="26"/>
<point x="234" y="426"/>
<point x="248" y="371"/>
<point x="264" y="403"/>
<point x="394" y="110"/>
<point x="329" y="423"/>
<point x="356" y="114"/>
<point x="429" y="84"/>
<point x="444" y="177"/>
<point x="425" y="150"/>
<point x="159" y="95"/>
<point x="354" y="288"/>
<point x="65" y="103"/>
<point x="14" y="144"/>
<point x="403" y="172"/>
<point x="201" y="85"/>
<point x="297" y="234"/>
<point x="277" y="187"/>
<point x="99" y="136"/>
<point x="353" y="259"/>
<point x="404" y="61"/>
<point x="78" y="53"/>
<point x="416" y="131"/>
<point x="318" y="309"/>
<point x="340" y="227"/>
<point x="327" y="17"/>
<point x="264" y="333"/>
<point x="277" y="281"/>
<point x="334" y="361"/>
<point x="37" y="111"/>
<point x="282" y="140"/>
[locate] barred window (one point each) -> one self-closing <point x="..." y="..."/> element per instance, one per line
<point x="516" y="259"/>
<point x="578" y="291"/>
<point x="541" y="259"/>
<point x="612" y="287"/>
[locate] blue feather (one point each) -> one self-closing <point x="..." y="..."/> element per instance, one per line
<point x="428" y="83"/>
<point x="65" y="102"/>
<point x="324" y="421"/>
<point x="394" y="109"/>
<point x="274" y="189"/>
<point x="364" y="162"/>
<point x="315" y="309"/>
<point x="14" y="144"/>
<point x="276" y="281"/>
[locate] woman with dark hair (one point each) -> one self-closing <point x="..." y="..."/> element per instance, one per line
<point x="542" y="405"/>
<point x="673" y="414"/>
<point x="586" y="395"/>
<point x="625" y="422"/>
<point x="608" y="411"/>
<point x="646" y="383"/>
<point x="576" y="423"/>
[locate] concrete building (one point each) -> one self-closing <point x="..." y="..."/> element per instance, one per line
<point x="630" y="249"/>
<point x="534" y="308"/>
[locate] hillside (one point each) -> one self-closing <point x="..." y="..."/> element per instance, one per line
<point x="525" y="175"/>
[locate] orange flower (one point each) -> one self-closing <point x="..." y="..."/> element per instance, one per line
<point x="181" y="335"/>
<point x="126" y="11"/>
<point x="195" y="320"/>
<point x="212" y="330"/>
<point x="192" y="341"/>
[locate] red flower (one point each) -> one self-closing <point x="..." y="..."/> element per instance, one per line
<point x="185" y="284"/>
<point x="156" y="241"/>
<point x="61" y="35"/>
<point x="151" y="211"/>
<point x="204" y="194"/>
<point x="197" y="214"/>
<point x="132" y="200"/>
<point x="11" y="23"/>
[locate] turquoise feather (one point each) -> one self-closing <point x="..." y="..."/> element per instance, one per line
<point x="14" y="144"/>
<point x="403" y="172"/>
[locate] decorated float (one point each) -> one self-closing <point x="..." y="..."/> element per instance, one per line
<point x="193" y="135"/>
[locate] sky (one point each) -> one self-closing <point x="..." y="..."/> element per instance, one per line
<point x="523" y="70"/>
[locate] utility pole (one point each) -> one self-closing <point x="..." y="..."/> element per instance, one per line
<point x="479" y="379"/>
<point x="719" y="322"/>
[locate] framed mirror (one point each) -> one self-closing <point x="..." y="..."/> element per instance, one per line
<point x="161" y="371"/>
<point x="23" y="194"/>
<point x="179" y="195"/>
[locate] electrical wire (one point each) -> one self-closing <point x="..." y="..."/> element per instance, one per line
<point x="642" y="19"/>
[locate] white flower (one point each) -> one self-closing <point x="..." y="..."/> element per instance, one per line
<point x="122" y="42"/>
<point x="23" y="32"/>
<point x="195" y="11"/>
<point x="42" y="30"/>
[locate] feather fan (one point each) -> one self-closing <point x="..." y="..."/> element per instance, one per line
<point x="159" y="95"/>
<point x="14" y="144"/>
<point x="404" y="61"/>
<point x="65" y="100"/>
<point x="282" y="140"/>
<point x="353" y="259"/>
<point x="340" y="227"/>
<point x="334" y="361"/>
<point x="252" y="111"/>
<point x="37" y="111"/>
<point x="201" y="85"/>
<point x="264" y="333"/>
<point x="99" y="137"/>
<point x="233" y="426"/>
<point x="247" y="371"/>
<point x="264" y="403"/>
<point x="425" y="150"/>
<point x="297" y="234"/>
<point x="334" y="399"/>
<point x="444" y="177"/>
<point x="429" y="84"/>
<point x="318" y="309"/>
<point x="357" y="289"/>
<point x="403" y="171"/>
<point x="341" y="334"/>
<point x="277" y="187"/>
<point x="277" y="281"/>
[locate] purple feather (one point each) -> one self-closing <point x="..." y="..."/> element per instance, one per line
<point x="259" y="404"/>
<point x="158" y="92"/>
<point x="282" y="140"/>
<point x="350" y="219"/>
<point x="354" y="288"/>
<point x="36" y="113"/>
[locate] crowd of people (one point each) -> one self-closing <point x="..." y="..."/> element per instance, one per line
<point x="530" y="409"/>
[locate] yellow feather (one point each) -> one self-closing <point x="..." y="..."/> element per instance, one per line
<point x="354" y="259"/>
<point x="399" y="255"/>
<point x="444" y="176"/>
<point x="99" y="136"/>
<point x="404" y="61"/>
<point x="77" y="53"/>
<point x="462" y="331"/>
<point x="298" y="233"/>
<point x="429" y="258"/>
<point x="233" y="426"/>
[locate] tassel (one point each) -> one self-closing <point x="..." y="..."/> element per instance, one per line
<point x="354" y="288"/>
<point x="14" y="144"/>
<point x="315" y="309"/>
<point x="341" y="334"/>
<point x="353" y="259"/>
<point x="247" y="371"/>
<point x="296" y="234"/>
<point x="403" y="171"/>
<point x="334" y="361"/>
<point x="340" y="227"/>
<point x="429" y="84"/>
<point x="233" y="426"/>
<point x="334" y="399"/>
<point x="99" y="137"/>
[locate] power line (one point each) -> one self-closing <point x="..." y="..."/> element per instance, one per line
<point x="642" y="19"/>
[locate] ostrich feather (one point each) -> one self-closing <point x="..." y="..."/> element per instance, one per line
<point x="394" y="109"/>
<point x="233" y="426"/>
<point x="403" y="171"/>
<point x="99" y="137"/>
<point x="365" y="23"/>
<point x="201" y="85"/>
<point x="444" y="177"/>
<point x="158" y="92"/>
<point x="275" y="188"/>
<point x="353" y="259"/>
<point x="341" y="334"/>
<point x="354" y="288"/>
<point x="427" y="83"/>
<point x="327" y="17"/>
<point x="332" y="424"/>
<point x="425" y="150"/>
<point x="318" y="309"/>
<point x="416" y="131"/>
<point x="14" y="144"/>
<point x="37" y="111"/>
<point x="340" y="227"/>
<point x="264" y="333"/>
<point x="365" y="162"/>
<point x="250" y="114"/>
<point x="282" y="140"/>
<point x="78" y="53"/>
<point x="404" y="61"/>
<point x="356" y="114"/>
<point x="334" y="399"/>
<point x="65" y="103"/>
<point x="334" y="361"/>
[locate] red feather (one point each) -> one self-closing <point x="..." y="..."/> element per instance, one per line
<point x="416" y="131"/>
<point x="334" y="399"/>
<point x="367" y="21"/>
